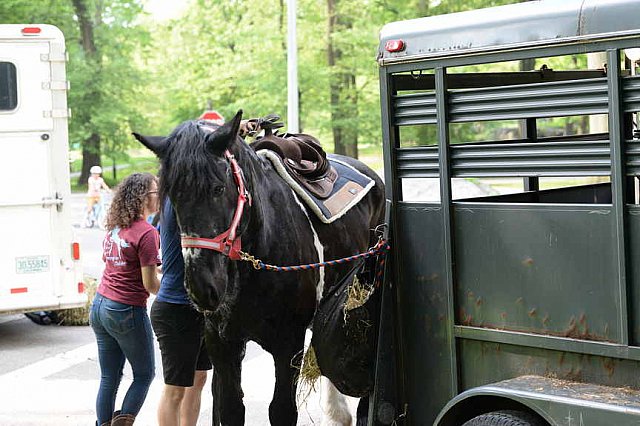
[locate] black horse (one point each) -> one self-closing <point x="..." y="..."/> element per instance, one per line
<point x="220" y="187"/>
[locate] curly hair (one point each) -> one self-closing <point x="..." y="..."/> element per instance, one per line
<point x="128" y="202"/>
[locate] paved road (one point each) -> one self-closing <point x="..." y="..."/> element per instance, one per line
<point x="49" y="374"/>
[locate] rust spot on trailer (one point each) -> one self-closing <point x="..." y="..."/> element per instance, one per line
<point x="532" y="312"/>
<point x="571" y="331"/>
<point x="573" y="374"/>
<point x="503" y="315"/>
<point x="519" y="300"/>
<point x="470" y="294"/>
<point x="609" y="366"/>
<point x="527" y="262"/>
<point x="578" y="329"/>
<point x="545" y="320"/>
<point x="479" y="301"/>
<point x="465" y="319"/>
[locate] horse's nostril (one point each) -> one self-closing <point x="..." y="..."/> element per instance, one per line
<point x="204" y="296"/>
<point x="213" y="299"/>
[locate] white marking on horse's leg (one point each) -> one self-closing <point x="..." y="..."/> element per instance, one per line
<point x="319" y="249"/>
<point x="334" y="405"/>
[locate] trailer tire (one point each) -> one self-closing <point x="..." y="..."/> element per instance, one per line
<point x="43" y="317"/>
<point x="504" y="418"/>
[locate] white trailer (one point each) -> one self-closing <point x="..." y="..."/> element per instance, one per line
<point x="40" y="265"/>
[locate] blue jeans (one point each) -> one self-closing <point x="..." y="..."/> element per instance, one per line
<point x="122" y="331"/>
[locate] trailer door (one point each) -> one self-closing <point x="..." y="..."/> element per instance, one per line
<point x="36" y="234"/>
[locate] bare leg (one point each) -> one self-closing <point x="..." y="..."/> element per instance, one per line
<point x="169" y="407"/>
<point x="190" y="407"/>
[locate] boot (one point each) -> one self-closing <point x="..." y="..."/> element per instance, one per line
<point x="115" y="414"/>
<point x="123" y="420"/>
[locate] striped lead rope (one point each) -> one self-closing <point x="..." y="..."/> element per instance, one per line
<point x="380" y="247"/>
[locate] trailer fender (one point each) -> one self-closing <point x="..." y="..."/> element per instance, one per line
<point x="552" y="401"/>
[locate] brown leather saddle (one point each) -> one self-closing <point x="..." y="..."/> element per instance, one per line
<point x="301" y="154"/>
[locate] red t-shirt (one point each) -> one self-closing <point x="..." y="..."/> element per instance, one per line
<point x="124" y="252"/>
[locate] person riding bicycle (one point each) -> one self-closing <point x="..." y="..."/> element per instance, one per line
<point x="95" y="184"/>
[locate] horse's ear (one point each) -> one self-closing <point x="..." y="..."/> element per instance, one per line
<point x="221" y="139"/>
<point x="157" y="144"/>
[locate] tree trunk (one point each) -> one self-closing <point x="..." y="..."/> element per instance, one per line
<point x="91" y="145"/>
<point x="342" y="86"/>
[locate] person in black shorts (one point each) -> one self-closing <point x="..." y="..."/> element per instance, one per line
<point x="179" y="329"/>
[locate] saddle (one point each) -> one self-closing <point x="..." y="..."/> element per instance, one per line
<point x="301" y="154"/>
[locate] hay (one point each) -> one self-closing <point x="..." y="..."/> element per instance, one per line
<point x="307" y="376"/>
<point x="79" y="316"/>
<point x="358" y="294"/>
<point x="356" y="321"/>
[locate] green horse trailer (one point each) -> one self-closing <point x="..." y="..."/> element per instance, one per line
<point x="512" y="294"/>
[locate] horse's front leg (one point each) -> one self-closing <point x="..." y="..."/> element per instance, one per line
<point x="226" y="388"/>
<point x="335" y="410"/>
<point x="287" y="358"/>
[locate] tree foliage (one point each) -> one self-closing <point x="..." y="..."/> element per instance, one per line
<point x="225" y="54"/>
<point x="106" y="83"/>
<point x="232" y="55"/>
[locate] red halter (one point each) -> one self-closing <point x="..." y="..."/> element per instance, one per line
<point x="226" y="243"/>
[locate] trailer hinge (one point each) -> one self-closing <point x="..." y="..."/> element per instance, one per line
<point x="57" y="113"/>
<point x="55" y="57"/>
<point x="56" y="85"/>
<point x="57" y="201"/>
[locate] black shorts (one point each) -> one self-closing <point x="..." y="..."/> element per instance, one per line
<point x="180" y="333"/>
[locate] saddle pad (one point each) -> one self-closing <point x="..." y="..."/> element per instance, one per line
<point x="350" y="187"/>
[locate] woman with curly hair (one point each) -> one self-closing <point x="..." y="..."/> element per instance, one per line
<point x="119" y="315"/>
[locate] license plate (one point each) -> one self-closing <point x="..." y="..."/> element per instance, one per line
<point x="32" y="264"/>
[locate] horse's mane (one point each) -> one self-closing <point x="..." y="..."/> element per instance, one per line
<point x="188" y="162"/>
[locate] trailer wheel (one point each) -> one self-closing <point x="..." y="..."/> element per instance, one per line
<point x="504" y="418"/>
<point x="43" y="317"/>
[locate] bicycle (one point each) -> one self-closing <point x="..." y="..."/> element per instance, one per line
<point x="97" y="216"/>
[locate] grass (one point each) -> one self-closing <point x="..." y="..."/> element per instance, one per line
<point x="134" y="161"/>
<point x="372" y="157"/>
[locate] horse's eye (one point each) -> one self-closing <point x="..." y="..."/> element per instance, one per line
<point x="218" y="190"/>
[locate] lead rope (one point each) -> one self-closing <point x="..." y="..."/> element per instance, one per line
<point x="381" y="247"/>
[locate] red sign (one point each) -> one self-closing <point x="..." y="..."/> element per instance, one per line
<point x="213" y="116"/>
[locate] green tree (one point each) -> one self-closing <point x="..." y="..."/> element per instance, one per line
<point x="107" y="78"/>
<point x="342" y="85"/>
<point x="128" y="72"/>
<point x="227" y="54"/>
<point x="104" y="40"/>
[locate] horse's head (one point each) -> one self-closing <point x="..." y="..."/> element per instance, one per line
<point x="201" y="178"/>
